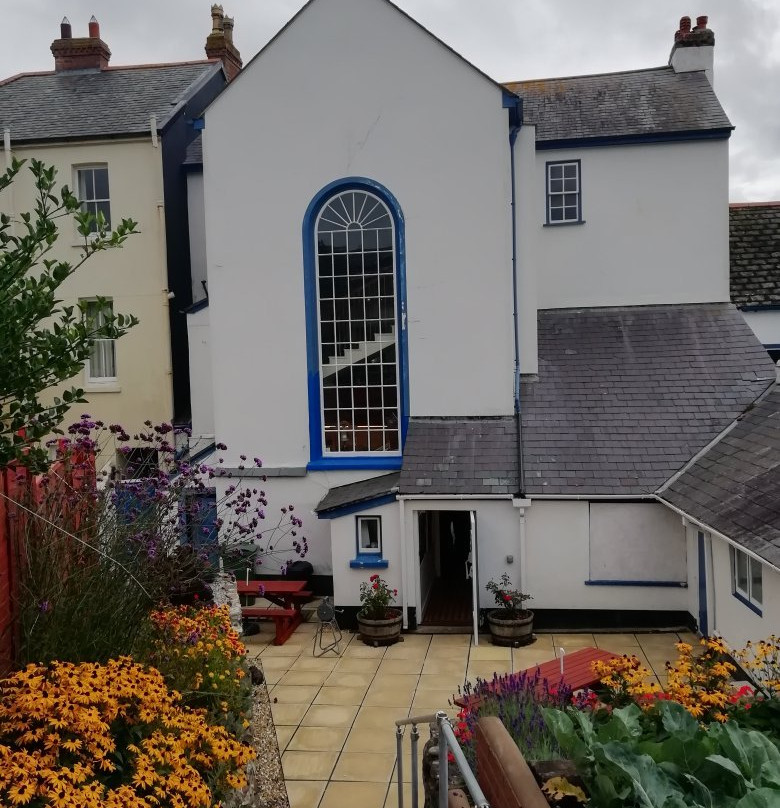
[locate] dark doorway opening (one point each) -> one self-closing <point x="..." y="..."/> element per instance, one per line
<point x="445" y="568"/>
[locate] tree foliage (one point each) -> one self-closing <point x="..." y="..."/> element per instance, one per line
<point x="42" y="341"/>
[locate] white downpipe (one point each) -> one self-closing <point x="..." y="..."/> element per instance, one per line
<point x="474" y="575"/>
<point x="404" y="571"/>
<point x="523" y="582"/>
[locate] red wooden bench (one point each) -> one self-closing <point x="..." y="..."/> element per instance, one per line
<point x="286" y="620"/>
<point x="577" y="672"/>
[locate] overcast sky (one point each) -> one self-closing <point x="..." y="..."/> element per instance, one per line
<point x="508" y="39"/>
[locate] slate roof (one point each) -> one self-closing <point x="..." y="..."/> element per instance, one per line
<point x="636" y="102"/>
<point x="754" y="238"/>
<point x="361" y="491"/>
<point x="96" y="103"/>
<point x="460" y="456"/>
<point x="627" y="395"/>
<point x="734" y="487"/>
<point x="194" y="154"/>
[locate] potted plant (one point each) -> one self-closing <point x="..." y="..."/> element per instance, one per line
<point x="510" y="624"/>
<point x="378" y="623"/>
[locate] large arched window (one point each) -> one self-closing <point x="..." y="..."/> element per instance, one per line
<point x="356" y="297"/>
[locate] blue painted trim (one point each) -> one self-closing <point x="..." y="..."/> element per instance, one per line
<point x="366" y="562"/>
<point x="357" y="507"/>
<point x="392" y="463"/>
<point x="318" y="461"/>
<point x="198" y="124"/>
<point x="703" y="621"/>
<point x="668" y="584"/>
<point x="746" y="602"/>
<point x="632" y="140"/>
<point x="547" y="165"/>
<point x="760" y="307"/>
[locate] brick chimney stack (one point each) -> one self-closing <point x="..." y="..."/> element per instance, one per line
<point x="693" y="48"/>
<point x="81" y="53"/>
<point x="219" y="43"/>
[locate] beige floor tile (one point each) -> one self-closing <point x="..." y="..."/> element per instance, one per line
<point x="573" y="640"/>
<point x="371" y="740"/>
<point x="272" y="675"/>
<point x="357" y="665"/>
<point x="359" y="650"/>
<point x="448" y="640"/>
<point x="290" y="648"/>
<point x="432" y="682"/>
<point x="389" y="666"/>
<point x="620" y="648"/>
<point x="310" y="663"/>
<point x="341" y="695"/>
<point x="283" y="735"/>
<point x="305" y="793"/>
<point x="290" y="694"/>
<point x="603" y="640"/>
<point x="354" y="795"/>
<point x="308" y="765"/>
<point x="388" y="697"/>
<point x="404" y="650"/>
<point x="304" y="678"/>
<point x="490" y="652"/>
<point x="485" y="669"/>
<point x="690" y="638"/>
<point x="277" y="663"/>
<point x="374" y="767"/>
<point x="407" y="764"/>
<point x="379" y="718"/>
<point x="391" y="801"/>
<point x="523" y="658"/>
<point x="432" y="701"/>
<point x="289" y="714"/>
<point x="329" y="715"/>
<point x="318" y="739"/>
<point x="383" y="679"/>
<point x="342" y="679"/>
<point x="435" y="665"/>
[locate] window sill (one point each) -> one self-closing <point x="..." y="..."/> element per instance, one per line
<point x="673" y="584"/>
<point x="102" y="387"/>
<point x="352" y="463"/>
<point x="752" y="606"/>
<point x="366" y="562"/>
<point x="563" y="224"/>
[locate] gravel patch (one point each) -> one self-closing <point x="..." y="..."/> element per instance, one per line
<point x="265" y="788"/>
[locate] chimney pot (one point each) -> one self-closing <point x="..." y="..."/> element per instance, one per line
<point x="685" y="25"/>
<point x="219" y="43"/>
<point x="217" y="19"/>
<point x="66" y="32"/>
<point x="80" y="53"/>
<point x="228" y="23"/>
<point x="94" y="28"/>
<point x="701" y="23"/>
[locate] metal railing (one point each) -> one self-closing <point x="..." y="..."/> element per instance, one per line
<point x="447" y="743"/>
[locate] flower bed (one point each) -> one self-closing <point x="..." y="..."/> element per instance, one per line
<point x="109" y="735"/>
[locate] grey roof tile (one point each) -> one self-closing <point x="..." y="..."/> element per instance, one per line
<point x="730" y="491"/>
<point x="360" y="491"/>
<point x="460" y="456"/>
<point x="681" y="374"/>
<point x="754" y="240"/>
<point x="93" y="103"/>
<point x="636" y="102"/>
<point x="194" y="154"/>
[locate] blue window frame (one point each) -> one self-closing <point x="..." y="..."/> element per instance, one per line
<point x="355" y="292"/>
<point x="368" y="542"/>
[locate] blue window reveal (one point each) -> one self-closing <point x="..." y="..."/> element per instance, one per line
<point x="353" y="246"/>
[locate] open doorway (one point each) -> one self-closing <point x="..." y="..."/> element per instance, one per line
<point x="445" y="568"/>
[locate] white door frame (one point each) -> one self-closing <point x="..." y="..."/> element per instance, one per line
<point x="474" y="545"/>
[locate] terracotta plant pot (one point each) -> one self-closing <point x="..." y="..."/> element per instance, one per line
<point x="381" y="632"/>
<point x="511" y="631"/>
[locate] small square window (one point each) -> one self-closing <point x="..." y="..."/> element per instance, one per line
<point x="564" y="201"/>
<point x="369" y="535"/>
<point x="92" y="184"/>
<point x="747" y="579"/>
<point x="101" y="365"/>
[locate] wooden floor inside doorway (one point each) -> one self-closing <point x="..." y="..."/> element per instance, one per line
<point x="449" y="604"/>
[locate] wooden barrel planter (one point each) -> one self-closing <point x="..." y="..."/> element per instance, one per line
<point x="381" y="632"/>
<point x="512" y="631"/>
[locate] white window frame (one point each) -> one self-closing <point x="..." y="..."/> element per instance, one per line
<point x="348" y="430"/>
<point x="94" y="200"/>
<point x="365" y="550"/>
<point x="97" y="381"/>
<point x="747" y="596"/>
<point x="560" y="195"/>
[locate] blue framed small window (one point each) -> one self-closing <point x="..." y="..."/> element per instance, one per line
<point x="355" y="326"/>
<point x="368" y="540"/>
<point x="747" y="580"/>
<point x="564" y="192"/>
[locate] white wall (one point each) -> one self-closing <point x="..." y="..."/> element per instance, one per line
<point x="201" y="391"/>
<point x="346" y="581"/>
<point x="765" y="325"/>
<point x="558" y="561"/>
<point x="656" y="228"/>
<point x="196" y="211"/>
<point x="329" y="99"/>
<point x="731" y="618"/>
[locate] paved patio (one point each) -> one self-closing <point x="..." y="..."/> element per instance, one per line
<point x="335" y="716"/>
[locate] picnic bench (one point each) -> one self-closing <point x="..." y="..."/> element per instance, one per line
<point x="287" y="598"/>
<point x="577" y="672"/>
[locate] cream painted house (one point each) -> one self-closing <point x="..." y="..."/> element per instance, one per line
<point x="118" y="136"/>
<point x="474" y="328"/>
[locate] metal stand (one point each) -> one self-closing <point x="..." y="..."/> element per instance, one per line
<point x="328" y="636"/>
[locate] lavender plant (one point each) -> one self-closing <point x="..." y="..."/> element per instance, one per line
<point x="97" y="552"/>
